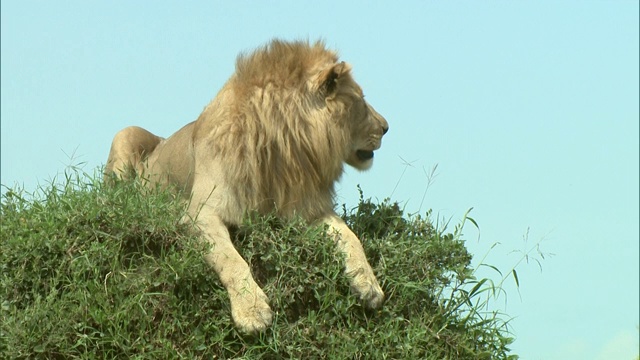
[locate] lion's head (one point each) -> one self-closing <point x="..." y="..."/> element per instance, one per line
<point x="309" y="86"/>
<point x="285" y="124"/>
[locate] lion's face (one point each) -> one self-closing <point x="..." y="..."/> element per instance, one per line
<point x="367" y="128"/>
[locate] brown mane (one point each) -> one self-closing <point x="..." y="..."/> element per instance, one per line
<point x="283" y="64"/>
<point x="277" y="135"/>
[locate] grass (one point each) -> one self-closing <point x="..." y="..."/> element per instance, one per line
<point x="95" y="272"/>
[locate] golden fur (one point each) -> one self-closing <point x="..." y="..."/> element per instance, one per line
<point x="274" y="139"/>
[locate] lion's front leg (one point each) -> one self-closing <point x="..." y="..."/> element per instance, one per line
<point x="249" y="307"/>
<point x="363" y="281"/>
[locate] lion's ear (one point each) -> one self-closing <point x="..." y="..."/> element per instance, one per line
<point x="328" y="79"/>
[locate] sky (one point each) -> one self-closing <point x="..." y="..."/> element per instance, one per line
<point x="527" y="110"/>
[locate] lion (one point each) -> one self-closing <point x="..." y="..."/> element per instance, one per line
<point x="274" y="140"/>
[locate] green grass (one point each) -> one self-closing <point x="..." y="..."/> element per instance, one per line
<point x="95" y="272"/>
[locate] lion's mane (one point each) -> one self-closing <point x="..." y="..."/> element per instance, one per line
<point x="275" y="133"/>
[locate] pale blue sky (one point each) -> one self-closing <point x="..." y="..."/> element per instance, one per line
<point x="530" y="110"/>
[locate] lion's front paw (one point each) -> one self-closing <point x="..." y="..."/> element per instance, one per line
<point x="373" y="297"/>
<point x="366" y="286"/>
<point x="250" y="311"/>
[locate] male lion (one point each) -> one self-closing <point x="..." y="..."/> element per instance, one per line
<point x="274" y="139"/>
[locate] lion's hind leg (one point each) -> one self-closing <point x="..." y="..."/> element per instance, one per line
<point x="129" y="148"/>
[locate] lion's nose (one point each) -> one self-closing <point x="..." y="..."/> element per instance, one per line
<point x="380" y="119"/>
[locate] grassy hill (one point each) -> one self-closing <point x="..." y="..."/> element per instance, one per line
<point x="95" y="272"/>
